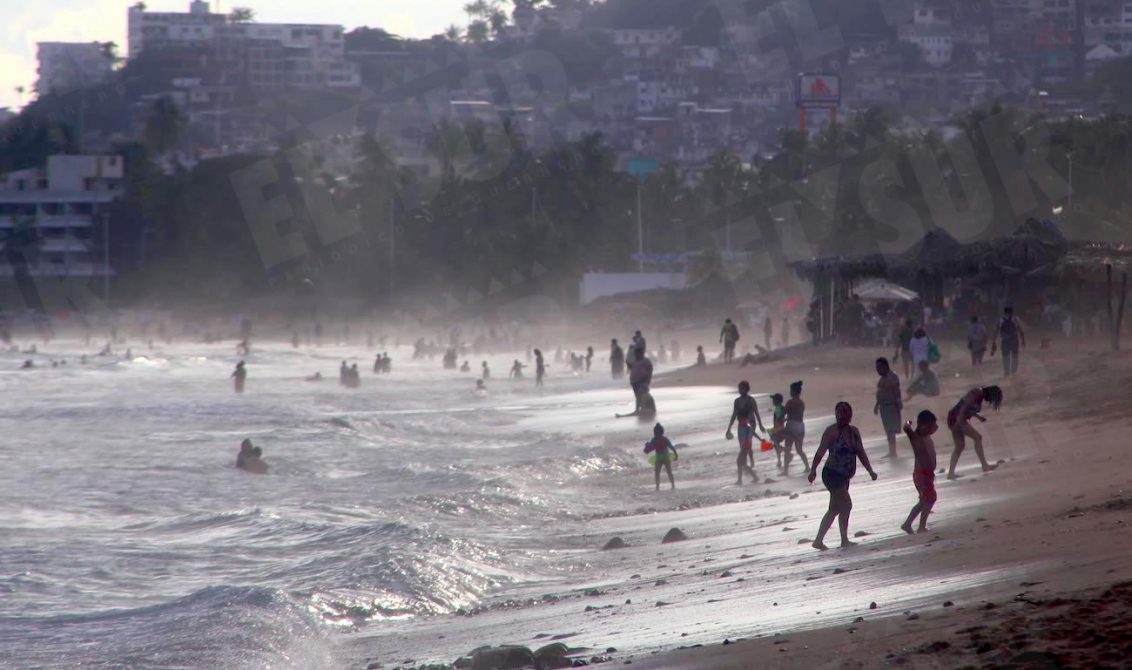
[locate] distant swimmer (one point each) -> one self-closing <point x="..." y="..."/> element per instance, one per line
<point x="353" y="378"/>
<point x="795" y="432"/>
<point x="344" y="374"/>
<point x="842" y="442"/>
<point x="744" y="409"/>
<point x="481" y="390"/>
<point x="923" y="475"/>
<point x="701" y="360"/>
<point x="377" y="365"/>
<point x="889" y="403"/>
<point x="466" y="367"/>
<point x="517" y="370"/>
<point x="316" y="377"/>
<point x="239" y="376"/>
<point x="589" y="357"/>
<point x="243" y="348"/>
<point x="27" y="365"/>
<point x="540" y="368"/>
<point x="665" y="453"/>
<point x="616" y="359"/>
<point x="486" y="374"/>
<point x="959" y="421"/>
<point x="105" y="351"/>
<point x="250" y="459"/>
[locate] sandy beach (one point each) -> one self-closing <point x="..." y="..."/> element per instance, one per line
<point x="1023" y="567"/>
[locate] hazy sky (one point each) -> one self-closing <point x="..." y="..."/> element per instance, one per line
<point x="26" y="22"/>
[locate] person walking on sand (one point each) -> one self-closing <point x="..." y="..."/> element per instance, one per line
<point x="239" y="376"/>
<point x="920" y="347"/>
<point x="888" y="403"/>
<point x="742" y="411"/>
<point x="959" y="421"/>
<point x="976" y="341"/>
<point x="640" y="376"/>
<point x="768" y="332"/>
<point x="903" y="346"/>
<point x="795" y="427"/>
<point x="923" y="474"/>
<point x="665" y="452"/>
<point x="842" y="441"/>
<point x="1013" y="338"/>
<point x="728" y="335"/>
<point x="701" y="360"/>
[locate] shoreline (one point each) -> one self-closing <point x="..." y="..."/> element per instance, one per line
<point x="1047" y="518"/>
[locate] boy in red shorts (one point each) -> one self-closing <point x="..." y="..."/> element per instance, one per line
<point x="923" y="475"/>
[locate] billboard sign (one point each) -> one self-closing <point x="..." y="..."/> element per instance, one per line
<point x="818" y="90"/>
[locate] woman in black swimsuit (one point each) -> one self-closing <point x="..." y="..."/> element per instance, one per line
<point x="842" y="441"/>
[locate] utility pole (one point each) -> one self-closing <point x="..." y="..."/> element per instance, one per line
<point x="392" y="242"/>
<point x="106" y="258"/>
<point x="640" y="232"/>
<point x="1070" y="155"/>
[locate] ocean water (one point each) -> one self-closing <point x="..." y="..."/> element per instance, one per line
<point x="129" y="540"/>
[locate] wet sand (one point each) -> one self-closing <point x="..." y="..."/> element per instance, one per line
<point x="1050" y="523"/>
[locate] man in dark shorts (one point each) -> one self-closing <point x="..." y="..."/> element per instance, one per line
<point x="889" y="403"/>
<point x="1013" y="338"/>
<point x="744" y="408"/>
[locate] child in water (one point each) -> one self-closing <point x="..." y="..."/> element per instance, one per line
<point x="923" y="475"/>
<point x="665" y="453"/>
<point x="777" y="430"/>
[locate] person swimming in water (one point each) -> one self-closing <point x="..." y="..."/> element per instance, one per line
<point x="239" y="377"/>
<point x="744" y="409"/>
<point x="959" y="418"/>
<point x="517" y="370"/>
<point x="701" y="360"/>
<point x="842" y="442"/>
<point x="795" y="432"/>
<point x="245" y="452"/>
<point x="466" y="367"/>
<point x="540" y="368"/>
<point x="665" y="452"/>
<point x="316" y="377"/>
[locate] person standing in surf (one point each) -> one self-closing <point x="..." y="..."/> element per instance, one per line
<point x="923" y="475"/>
<point x="777" y="432"/>
<point x="976" y="341"/>
<point x="842" y="441"/>
<point x="1013" y="338"/>
<point x="795" y="432"/>
<point x="889" y="403"/>
<point x="742" y="411"/>
<point x="540" y="368"/>
<point x="616" y="359"/>
<point x="239" y="376"/>
<point x="959" y="421"/>
<point x="665" y="453"/>
<point x="728" y="335"/>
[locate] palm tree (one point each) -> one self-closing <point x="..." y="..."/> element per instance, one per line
<point x="242" y="15"/>
<point x="478" y="31"/>
<point x="452" y="33"/>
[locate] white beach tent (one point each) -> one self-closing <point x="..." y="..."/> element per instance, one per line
<point x="882" y="290"/>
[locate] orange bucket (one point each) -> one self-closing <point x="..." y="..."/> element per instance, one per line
<point x="766" y="446"/>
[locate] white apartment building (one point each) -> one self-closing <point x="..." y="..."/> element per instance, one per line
<point x="65" y="66"/>
<point x="644" y="43"/>
<point x="934" y="40"/>
<point x="57" y="214"/>
<point x="274" y="54"/>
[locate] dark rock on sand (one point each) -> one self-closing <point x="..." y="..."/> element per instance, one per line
<point x="674" y="535"/>
<point x="502" y="658"/>
<point x="552" y="649"/>
<point x="615" y="543"/>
